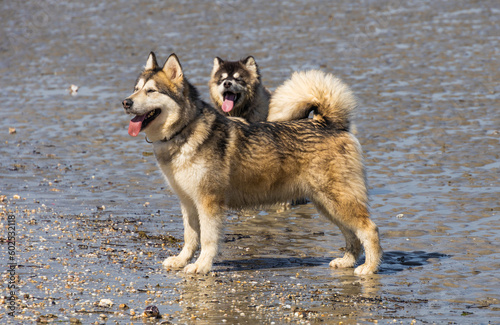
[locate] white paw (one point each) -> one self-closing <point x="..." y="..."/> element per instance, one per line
<point x="174" y="262"/>
<point x="197" y="268"/>
<point x="340" y="263"/>
<point x="365" y="269"/>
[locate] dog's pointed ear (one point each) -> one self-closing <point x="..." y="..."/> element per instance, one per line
<point x="250" y="63"/>
<point x="217" y="63"/>
<point x="151" y="64"/>
<point x="172" y="68"/>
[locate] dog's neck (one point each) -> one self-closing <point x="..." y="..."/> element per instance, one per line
<point x="166" y="139"/>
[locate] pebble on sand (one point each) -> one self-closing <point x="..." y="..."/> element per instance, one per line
<point x="105" y="303"/>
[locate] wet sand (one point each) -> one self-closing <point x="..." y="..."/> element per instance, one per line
<point x="94" y="218"/>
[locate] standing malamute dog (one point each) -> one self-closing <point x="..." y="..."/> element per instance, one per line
<point x="213" y="162"/>
<point x="237" y="91"/>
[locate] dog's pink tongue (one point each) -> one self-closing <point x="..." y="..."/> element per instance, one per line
<point x="135" y="125"/>
<point x="228" y="103"/>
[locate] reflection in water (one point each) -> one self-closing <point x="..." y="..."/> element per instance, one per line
<point x="245" y="297"/>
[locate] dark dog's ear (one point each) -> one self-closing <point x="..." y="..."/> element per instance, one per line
<point x="151" y="64"/>
<point x="217" y="63"/>
<point x="173" y="69"/>
<point x="250" y="63"/>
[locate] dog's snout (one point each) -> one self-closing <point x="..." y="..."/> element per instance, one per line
<point x="227" y="84"/>
<point x="127" y="103"/>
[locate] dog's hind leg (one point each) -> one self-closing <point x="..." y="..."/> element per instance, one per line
<point x="369" y="237"/>
<point x="210" y="226"/>
<point x="352" y="250"/>
<point x="352" y="217"/>
<point x="353" y="245"/>
<point x="191" y="237"/>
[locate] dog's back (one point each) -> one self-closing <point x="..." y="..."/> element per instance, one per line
<point x="273" y="162"/>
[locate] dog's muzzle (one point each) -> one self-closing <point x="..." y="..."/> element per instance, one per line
<point x="127" y="104"/>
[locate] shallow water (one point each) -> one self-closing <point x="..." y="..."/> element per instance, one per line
<point x="95" y="218"/>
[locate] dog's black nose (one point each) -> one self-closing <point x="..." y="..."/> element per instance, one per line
<point x="127" y="103"/>
<point x="227" y="84"/>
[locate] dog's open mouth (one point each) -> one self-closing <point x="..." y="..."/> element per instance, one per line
<point x="140" y="122"/>
<point x="229" y="100"/>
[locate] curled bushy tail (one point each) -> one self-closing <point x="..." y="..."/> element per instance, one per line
<point x="306" y="91"/>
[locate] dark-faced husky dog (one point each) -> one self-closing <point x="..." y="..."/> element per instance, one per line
<point x="236" y="89"/>
<point x="213" y="162"/>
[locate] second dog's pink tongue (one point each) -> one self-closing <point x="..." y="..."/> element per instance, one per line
<point x="228" y="103"/>
<point x="135" y="125"/>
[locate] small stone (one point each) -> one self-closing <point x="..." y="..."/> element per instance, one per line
<point x="152" y="311"/>
<point x="12" y="130"/>
<point x="45" y="319"/>
<point x="73" y="89"/>
<point x="105" y="303"/>
<point x="123" y="306"/>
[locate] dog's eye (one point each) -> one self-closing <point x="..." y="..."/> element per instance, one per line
<point x="149" y="91"/>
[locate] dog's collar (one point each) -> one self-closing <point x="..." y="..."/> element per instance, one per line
<point x="167" y="139"/>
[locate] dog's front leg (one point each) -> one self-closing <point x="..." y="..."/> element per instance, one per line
<point x="191" y="237"/>
<point x="210" y="226"/>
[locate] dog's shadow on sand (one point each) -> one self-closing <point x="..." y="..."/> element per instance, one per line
<point x="392" y="262"/>
<point x="397" y="261"/>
